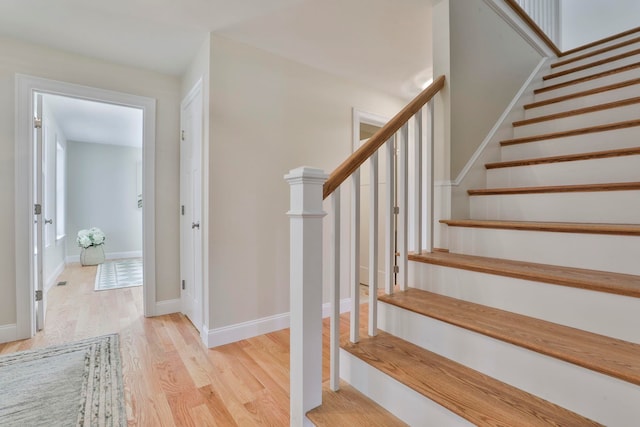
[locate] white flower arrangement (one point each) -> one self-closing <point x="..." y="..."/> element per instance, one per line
<point x="91" y="237"/>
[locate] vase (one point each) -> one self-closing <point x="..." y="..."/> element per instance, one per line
<point x="93" y="255"/>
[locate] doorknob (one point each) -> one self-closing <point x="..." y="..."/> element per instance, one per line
<point x="195" y="225"/>
<point x="48" y="221"/>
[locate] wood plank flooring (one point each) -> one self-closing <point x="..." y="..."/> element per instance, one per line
<point x="170" y="378"/>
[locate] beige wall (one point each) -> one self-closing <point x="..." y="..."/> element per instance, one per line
<point x="267" y="115"/>
<point x="24" y="58"/>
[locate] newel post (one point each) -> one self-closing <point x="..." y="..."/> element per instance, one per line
<point x="305" y="291"/>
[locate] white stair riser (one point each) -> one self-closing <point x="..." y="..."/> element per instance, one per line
<point x="589" y="84"/>
<point x="615" y="207"/>
<point x="597" y="141"/>
<point x="584" y="101"/>
<point x="592" y="70"/>
<point x="598" y="57"/>
<point x="618" y="114"/>
<point x="563" y="305"/>
<point x="601" y="46"/>
<point x="594" y="251"/>
<point x="604" y="399"/>
<point x="406" y="404"/>
<point x="594" y="171"/>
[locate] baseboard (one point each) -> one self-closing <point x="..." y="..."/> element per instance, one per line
<point x="253" y="328"/>
<point x="167" y="307"/>
<point x="108" y="255"/>
<point x="51" y="280"/>
<point x="8" y="333"/>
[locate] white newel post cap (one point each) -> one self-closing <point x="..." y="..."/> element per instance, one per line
<point x="306" y="191"/>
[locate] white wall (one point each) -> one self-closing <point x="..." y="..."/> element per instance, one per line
<point x="267" y="115"/>
<point x="101" y="192"/>
<point x="584" y="21"/>
<point x="25" y="58"/>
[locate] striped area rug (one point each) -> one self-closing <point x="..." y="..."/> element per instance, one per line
<point x="119" y="274"/>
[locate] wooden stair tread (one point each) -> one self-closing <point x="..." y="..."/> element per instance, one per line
<point x="610" y="356"/>
<point x="472" y="395"/>
<point x="591" y="64"/>
<point x="580" y="94"/>
<point x="349" y="407"/>
<point x="578" y="111"/>
<point x="588" y="78"/>
<point x="554" y="227"/>
<point x="596" y="52"/>
<point x="593" y="280"/>
<point x="575" y="188"/>
<point x="565" y="158"/>
<point x="572" y="132"/>
<point x="601" y="41"/>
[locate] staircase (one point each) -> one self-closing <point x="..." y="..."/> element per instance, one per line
<point x="531" y="315"/>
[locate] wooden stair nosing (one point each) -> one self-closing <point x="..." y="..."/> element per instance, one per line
<point x="587" y="78"/>
<point x="572" y="132"/>
<point x="552" y="227"/>
<point x="474" y="396"/>
<point x="601" y="41"/>
<point x="593" y="280"/>
<point x="596" y="52"/>
<point x="588" y="92"/>
<point x="591" y="64"/>
<point x="610" y="356"/>
<point x="574" y="188"/>
<point x="594" y="155"/>
<point x="578" y="111"/>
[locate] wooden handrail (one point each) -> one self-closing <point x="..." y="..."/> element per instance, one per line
<point x="358" y="157"/>
<point x="531" y="23"/>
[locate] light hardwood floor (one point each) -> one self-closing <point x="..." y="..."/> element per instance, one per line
<point x="170" y="378"/>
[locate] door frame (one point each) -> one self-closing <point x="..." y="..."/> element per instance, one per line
<point x="25" y="87"/>
<point x="197" y="89"/>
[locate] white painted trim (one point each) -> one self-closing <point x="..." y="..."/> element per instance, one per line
<point x="25" y="87"/>
<point x="169" y="306"/>
<point x="53" y="276"/>
<point x="521" y="27"/>
<point x="8" y="333"/>
<point x="360" y="116"/>
<point x="499" y="123"/>
<point x="252" y="328"/>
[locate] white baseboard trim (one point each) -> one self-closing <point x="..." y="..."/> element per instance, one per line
<point x="167" y="307"/>
<point x="8" y="333"/>
<point x="108" y="255"/>
<point x="253" y="328"/>
<point x="52" y="278"/>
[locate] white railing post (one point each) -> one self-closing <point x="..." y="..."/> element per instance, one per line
<point x="354" y="324"/>
<point x="430" y="177"/>
<point x="403" y="203"/>
<point x="389" y="229"/>
<point x="417" y="193"/>
<point x="305" y="291"/>
<point x="373" y="245"/>
<point x="334" y="291"/>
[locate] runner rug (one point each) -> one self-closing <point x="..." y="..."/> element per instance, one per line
<point x="119" y="274"/>
<point x="76" y="384"/>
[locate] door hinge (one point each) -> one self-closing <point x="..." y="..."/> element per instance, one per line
<point x="396" y="210"/>
<point x="38" y="295"/>
<point x="396" y="269"/>
<point x="182" y="135"/>
<point x="183" y="285"/>
<point x="37" y="123"/>
<point x="182" y="209"/>
<point x="37" y="209"/>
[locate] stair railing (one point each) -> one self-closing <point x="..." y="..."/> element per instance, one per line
<point x="309" y="187"/>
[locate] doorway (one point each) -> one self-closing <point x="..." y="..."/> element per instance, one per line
<point x="28" y="259"/>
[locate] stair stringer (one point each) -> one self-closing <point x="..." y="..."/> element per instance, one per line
<point x="602" y="398"/>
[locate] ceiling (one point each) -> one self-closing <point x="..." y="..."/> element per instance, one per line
<point x="385" y="44"/>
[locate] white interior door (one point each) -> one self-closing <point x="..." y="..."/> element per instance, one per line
<point x="191" y="208"/>
<point x="38" y="217"/>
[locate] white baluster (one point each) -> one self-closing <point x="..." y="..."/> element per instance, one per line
<point x="403" y="203"/>
<point x="354" y="335"/>
<point x="373" y="246"/>
<point x="305" y="291"/>
<point x="334" y="381"/>
<point x="430" y="178"/>
<point x="417" y="196"/>
<point x="389" y="228"/>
